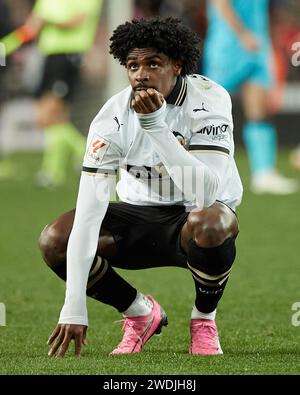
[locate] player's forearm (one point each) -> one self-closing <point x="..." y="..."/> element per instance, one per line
<point x="92" y="203"/>
<point x="72" y="23"/>
<point x="227" y="12"/>
<point x="22" y="34"/>
<point x="191" y="176"/>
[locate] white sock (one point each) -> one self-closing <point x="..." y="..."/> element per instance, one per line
<point x="196" y="315"/>
<point x="139" y="307"/>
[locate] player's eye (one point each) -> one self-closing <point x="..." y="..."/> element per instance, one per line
<point x="153" y="65"/>
<point x="132" y="66"/>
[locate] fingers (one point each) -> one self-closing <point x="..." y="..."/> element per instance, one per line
<point x="145" y="102"/>
<point x="84" y="339"/>
<point x="59" y="339"/>
<point x="156" y="97"/>
<point x="63" y="334"/>
<point x="142" y="104"/>
<point x="65" y="344"/>
<point x="53" y="335"/>
<point x="78" y="343"/>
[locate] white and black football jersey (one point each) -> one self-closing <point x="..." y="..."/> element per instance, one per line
<point x="198" y="114"/>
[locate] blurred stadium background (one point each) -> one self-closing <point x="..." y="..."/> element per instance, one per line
<point x="255" y="316"/>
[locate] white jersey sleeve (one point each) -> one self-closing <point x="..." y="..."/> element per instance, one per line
<point x="97" y="180"/>
<point x="92" y="203"/>
<point x="214" y="131"/>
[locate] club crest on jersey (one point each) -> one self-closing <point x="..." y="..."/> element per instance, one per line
<point x="97" y="149"/>
<point x="179" y="137"/>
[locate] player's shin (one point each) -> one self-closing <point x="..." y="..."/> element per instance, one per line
<point x="104" y="284"/>
<point x="107" y="286"/>
<point x="210" y="268"/>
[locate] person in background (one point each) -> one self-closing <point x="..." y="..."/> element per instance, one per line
<point x="65" y="30"/>
<point x="237" y="55"/>
<point x="5" y="26"/>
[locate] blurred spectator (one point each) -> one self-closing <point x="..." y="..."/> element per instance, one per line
<point x="147" y="8"/>
<point x="65" y="31"/>
<point x="191" y="12"/>
<point x="5" y="27"/>
<point x="237" y="55"/>
<point x="5" y="23"/>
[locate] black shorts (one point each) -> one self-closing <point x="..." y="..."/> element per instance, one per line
<point x="60" y="75"/>
<point x="146" y="236"/>
<point x="3" y="90"/>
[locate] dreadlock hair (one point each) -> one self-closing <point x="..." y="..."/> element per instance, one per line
<point x="167" y="35"/>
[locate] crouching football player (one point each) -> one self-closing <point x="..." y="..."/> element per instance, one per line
<point x="171" y="134"/>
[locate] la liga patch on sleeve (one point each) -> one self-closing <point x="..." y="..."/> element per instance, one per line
<point x="97" y="149"/>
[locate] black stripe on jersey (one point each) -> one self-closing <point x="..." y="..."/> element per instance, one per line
<point x="178" y="94"/>
<point x="94" y="170"/>
<point x="182" y="95"/>
<point x="209" y="148"/>
<point x="143" y="172"/>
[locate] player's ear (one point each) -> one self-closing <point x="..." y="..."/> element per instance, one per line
<point x="177" y="66"/>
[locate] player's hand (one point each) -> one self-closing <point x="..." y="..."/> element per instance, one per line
<point x="147" y="101"/>
<point x="249" y="41"/>
<point x="62" y="336"/>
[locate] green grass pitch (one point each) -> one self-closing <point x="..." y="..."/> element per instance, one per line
<point x="254" y="316"/>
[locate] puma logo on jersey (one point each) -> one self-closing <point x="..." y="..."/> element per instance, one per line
<point x="201" y="109"/>
<point x="118" y="123"/>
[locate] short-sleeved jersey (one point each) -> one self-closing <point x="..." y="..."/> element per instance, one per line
<point x="198" y="113"/>
<point x="55" y="40"/>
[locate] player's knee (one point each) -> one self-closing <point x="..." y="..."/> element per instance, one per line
<point x="51" y="110"/>
<point x="53" y="246"/>
<point x="206" y="228"/>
